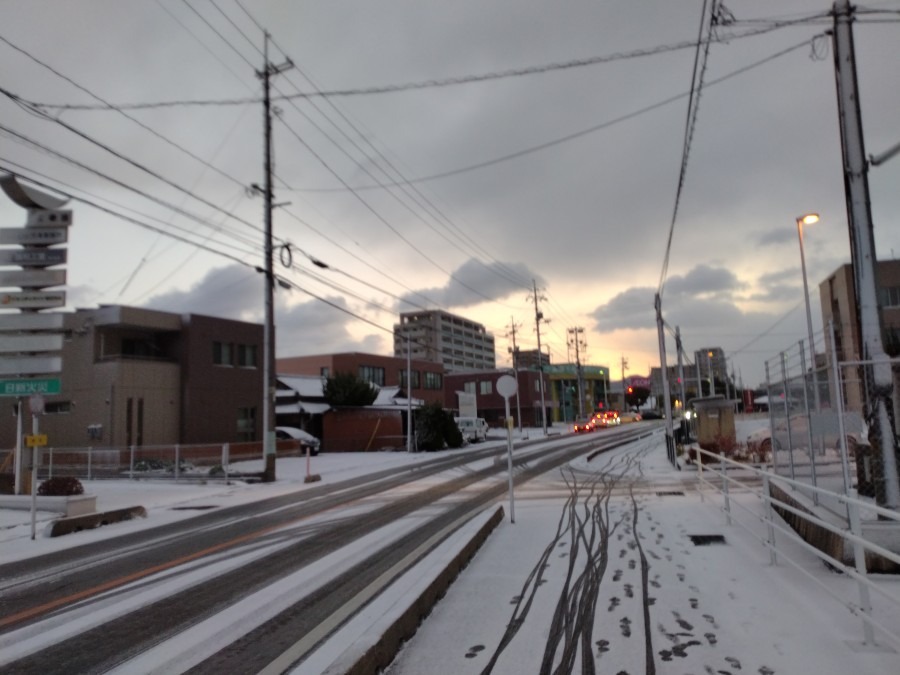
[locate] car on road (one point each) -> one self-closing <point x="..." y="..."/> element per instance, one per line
<point x="583" y="425"/>
<point x="826" y="426"/>
<point x="630" y="416"/>
<point x="651" y="415"/>
<point x="307" y="440"/>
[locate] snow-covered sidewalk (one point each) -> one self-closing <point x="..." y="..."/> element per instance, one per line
<point x="720" y="608"/>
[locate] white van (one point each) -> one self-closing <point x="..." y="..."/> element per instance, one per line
<point x="474" y="429"/>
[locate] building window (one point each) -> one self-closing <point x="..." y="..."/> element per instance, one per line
<point x="372" y="374"/>
<point x="223" y="354"/>
<point x="434" y="380"/>
<point x="890" y="296"/>
<point x="469" y="387"/>
<point x="246" y="424"/>
<point x="246" y="356"/>
<point x="415" y="379"/>
<point x="484" y="387"/>
<point x="324" y="371"/>
<point x="57" y="407"/>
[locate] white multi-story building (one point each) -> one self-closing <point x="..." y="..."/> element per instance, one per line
<point x="441" y="337"/>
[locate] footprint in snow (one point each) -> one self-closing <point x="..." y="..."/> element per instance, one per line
<point x="473" y="651"/>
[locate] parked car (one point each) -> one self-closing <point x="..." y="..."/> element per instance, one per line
<point x="651" y="415"/>
<point x="473" y="429"/>
<point x="307" y="440"/>
<point x="827" y="426"/>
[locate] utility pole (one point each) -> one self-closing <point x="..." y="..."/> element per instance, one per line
<point x="879" y="397"/>
<point x="269" y="329"/>
<point x="680" y="353"/>
<point x="578" y="342"/>
<point x="514" y="350"/>
<point x="538" y="317"/>
<point x="670" y="433"/>
<point x="624" y="368"/>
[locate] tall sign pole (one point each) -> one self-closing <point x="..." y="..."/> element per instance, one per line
<point x="862" y="250"/>
<point x="31" y="341"/>
<point x="269" y="329"/>
<point x="506" y="387"/>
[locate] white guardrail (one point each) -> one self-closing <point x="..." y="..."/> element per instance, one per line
<point x="719" y="465"/>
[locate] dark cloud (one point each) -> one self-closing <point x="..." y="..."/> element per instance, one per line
<point x="703" y="280"/>
<point x="310" y="327"/>
<point x="473" y="283"/>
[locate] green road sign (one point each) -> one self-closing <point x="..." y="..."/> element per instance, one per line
<point x="22" y="387"/>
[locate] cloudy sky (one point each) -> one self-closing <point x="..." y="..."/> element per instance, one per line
<point x="462" y="152"/>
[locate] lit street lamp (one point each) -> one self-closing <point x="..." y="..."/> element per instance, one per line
<point x="809" y="219"/>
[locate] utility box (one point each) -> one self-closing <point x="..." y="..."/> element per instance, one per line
<point x="715" y="423"/>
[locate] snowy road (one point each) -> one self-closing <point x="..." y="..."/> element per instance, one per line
<point x="233" y="589"/>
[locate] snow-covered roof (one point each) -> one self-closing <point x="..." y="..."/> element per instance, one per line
<point x="307" y="386"/>
<point x="301" y="407"/>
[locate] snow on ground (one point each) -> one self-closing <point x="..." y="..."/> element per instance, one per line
<point x="720" y="609"/>
<point x="717" y="609"/>
<point x="167" y="501"/>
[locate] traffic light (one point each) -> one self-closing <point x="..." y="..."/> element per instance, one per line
<point x="630" y="390"/>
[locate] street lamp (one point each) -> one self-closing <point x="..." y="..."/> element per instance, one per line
<point x="809" y="219"/>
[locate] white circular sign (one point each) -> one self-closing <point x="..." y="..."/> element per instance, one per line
<point x="507" y="386"/>
<point x="36" y="404"/>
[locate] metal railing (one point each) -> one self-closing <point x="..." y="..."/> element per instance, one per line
<point x="175" y="462"/>
<point x="741" y="515"/>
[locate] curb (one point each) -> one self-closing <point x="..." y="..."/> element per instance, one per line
<point x="90" y="521"/>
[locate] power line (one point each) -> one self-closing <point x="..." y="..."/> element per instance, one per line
<point x="115" y="181"/>
<point x="576" y="134"/>
<point x="459" y="80"/>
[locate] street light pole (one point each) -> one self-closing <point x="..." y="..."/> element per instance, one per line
<point x="809" y="219"/>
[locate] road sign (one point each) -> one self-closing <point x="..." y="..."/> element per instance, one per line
<point x="36" y="440"/>
<point x="32" y="278"/>
<point x="21" y="322"/>
<point x="32" y="299"/>
<point x="30" y="365"/>
<point x="26" y="387"/>
<point x="39" y="342"/>
<point x="45" y="217"/>
<point x="33" y="257"/>
<point x="34" y="236"/>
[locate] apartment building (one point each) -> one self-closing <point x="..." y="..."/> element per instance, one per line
<point x="440" y="337"/>
<point x="838" y="300"/>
